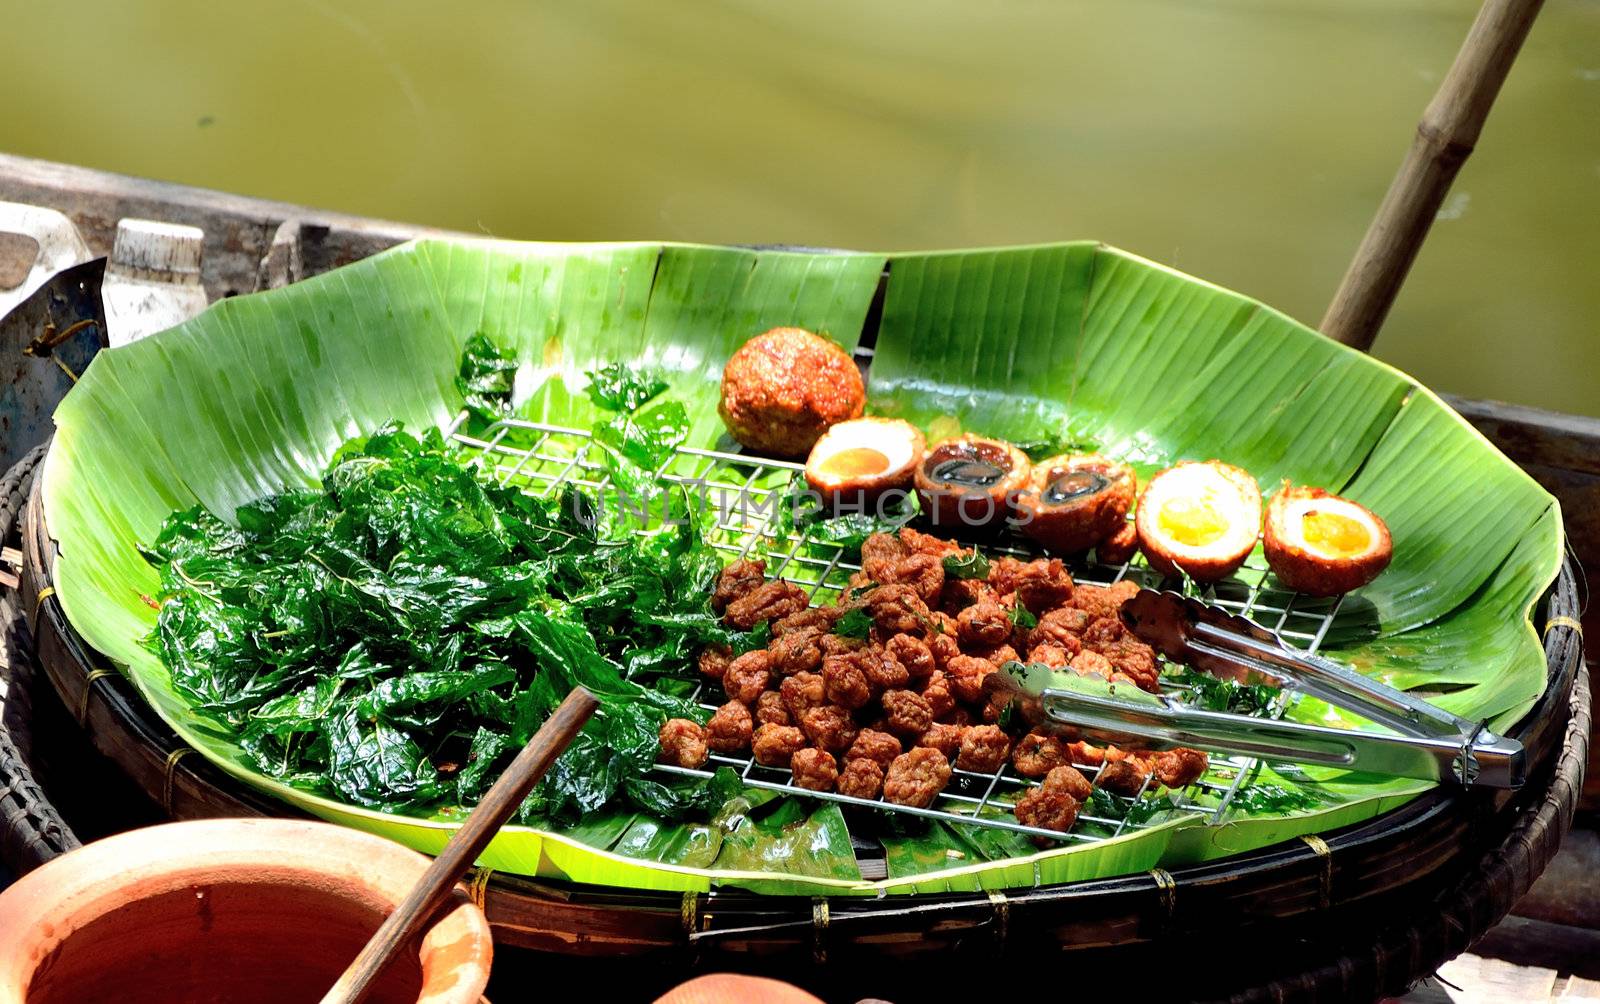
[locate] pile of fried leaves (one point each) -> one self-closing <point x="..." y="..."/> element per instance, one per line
<point x="393" y="638"/>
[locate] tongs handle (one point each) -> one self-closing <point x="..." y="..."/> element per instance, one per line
<point x="1328" y="681"/>
<point x="1475" y="758"/>
<point x="1431" y="742"/>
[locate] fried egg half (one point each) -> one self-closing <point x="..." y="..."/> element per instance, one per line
<point x="1201" y="519"/>
<point x="1323" y="545"/>
<point x="863" y="458"/>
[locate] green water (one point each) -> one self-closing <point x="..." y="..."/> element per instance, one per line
<point x="1247" y="142"/>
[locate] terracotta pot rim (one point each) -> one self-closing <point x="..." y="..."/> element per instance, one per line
<point x="51" y="903"/>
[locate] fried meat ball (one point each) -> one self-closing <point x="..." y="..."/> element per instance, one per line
<point x="966" y="673"/>
<point x="1063" y="626"/>
<point x="801" y="692"/>
<point x="1047" y="809"/>
<point x="955" y="716"/>
<point x="769" y="602"/>
<point x="912" y="653"/>
<point x="984" y="749"/>
<point x="906" y="714"/>
<point x="1069" y="780"/>
<point x="829" y="727"/>
<point x="683" y="743"/>
<point x="1038" y="754"/>
<point x="1087" y="663"/>
<point x="747" y="676"/>
<point x="1039" y="585"/>
<point x="832" y="644"/>
<point x="815" y="619"/>
<point x="770" y="709"/>
<point x="1178" y="768"/>
<point x="870" y="744"/>
<point x="880" y="552"/>
<point x="739" y="579"/>
<point x="782" y="389"/>
<point x="916" y="778"/>
<point x="1047" y="654"/>
<point x="861" y="778"/>
<point x="995" y="706"/>
<point x="997" y="656"/>
<point x="1083" y="754"/>
<point x="714" y="661"/>
<point x="774" y="745"/>
<point x="814" y="769"/>
<point x="940" y="623"/>
<point x="844" y="682"/>
<point x="922" y="572"/>
<point x="943" y="736"/>
<point x="917" y="542"/>
<point x="1104" y="601"/>
<point x="985" y="624"/>
<point x="1104" y="631"/>
<point x="944" y="647"/>
<point x="796" y="652"/>
<point x="959" y="594"/>
<point x="1125" y="777"/>
<point x="1054" y="804"/>
<point x="936" y="692"/>
<point x="896" y="608"/>
<point x="1136" y="659"/>
<point x="729" y="729"/>
<point x="884" y="671"/>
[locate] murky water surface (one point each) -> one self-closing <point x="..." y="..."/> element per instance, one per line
<point x="1247" y="142"/>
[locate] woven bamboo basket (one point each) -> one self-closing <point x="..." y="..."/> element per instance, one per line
<point x="1354" y="913"/>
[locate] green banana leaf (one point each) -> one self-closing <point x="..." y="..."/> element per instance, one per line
<point x="1077" y="342"/>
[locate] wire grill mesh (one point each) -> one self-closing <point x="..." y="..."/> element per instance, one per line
<point x="744" y="494"/>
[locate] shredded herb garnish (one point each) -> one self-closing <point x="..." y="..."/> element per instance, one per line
<point x="855" y="624"/>
<point x="1213" y="694"/>
<point x="971" y="565"/>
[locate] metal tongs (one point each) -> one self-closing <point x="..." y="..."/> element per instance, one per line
<point x="1426" y="742"/>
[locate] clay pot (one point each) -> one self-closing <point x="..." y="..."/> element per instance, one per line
<point x="731" y="988"/>
<point x="248" y="911"/>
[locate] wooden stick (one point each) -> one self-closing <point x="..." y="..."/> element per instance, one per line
<point x="436" y="883"/>
<point x="1445" y="137"/>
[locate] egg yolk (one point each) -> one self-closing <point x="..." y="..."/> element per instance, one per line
<point x="1193" y="522"/>
<point x="855" y="462"/>
<point x="1335" y="534"/>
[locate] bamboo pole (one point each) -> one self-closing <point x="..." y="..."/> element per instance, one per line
<point x="1445" y="137"/>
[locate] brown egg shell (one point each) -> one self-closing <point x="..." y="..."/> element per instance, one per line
<point x="1208" y="568"/>
<point x="976" y="507"/>
<point x="864" y="490"/>
<point x="782" y="390"/>
<point x="1082" y="523"/>
<point x="1305" y="571"/>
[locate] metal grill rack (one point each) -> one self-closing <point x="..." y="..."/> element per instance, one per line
<point x="745" y="494"/>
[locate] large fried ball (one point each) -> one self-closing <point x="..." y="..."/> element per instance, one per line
<point x="782" y="390"/>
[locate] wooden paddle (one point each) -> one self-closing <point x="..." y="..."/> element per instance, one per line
<point x="431" y="891"/>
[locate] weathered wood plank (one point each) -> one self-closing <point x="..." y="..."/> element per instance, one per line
<point x="1548" y="438"/>
<point x="239" y="230"/>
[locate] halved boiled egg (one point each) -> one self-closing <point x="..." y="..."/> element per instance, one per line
<point x="1074" y="501"/>
<point x="1199" y="518"/>
<point x="969" y="481"/>
<point x="857" y="461"/>
<point x="1323" y="545"/>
